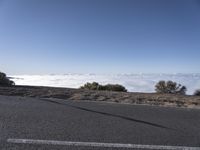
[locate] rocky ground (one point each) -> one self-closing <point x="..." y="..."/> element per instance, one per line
<point x="88" y="95"/>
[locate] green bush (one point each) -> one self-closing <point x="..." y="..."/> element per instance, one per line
<point x="91" y="86"/>
<point x="197" y="92"/>
<point x="5" y="81"/>
<point x="170" y="87"/>
<point x="115" y="87"/>
<point x="108" y="87"/>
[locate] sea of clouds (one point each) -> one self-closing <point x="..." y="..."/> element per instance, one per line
<point x="133" y="82"/>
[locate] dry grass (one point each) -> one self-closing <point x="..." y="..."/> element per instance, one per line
<point x="120" y="97"/>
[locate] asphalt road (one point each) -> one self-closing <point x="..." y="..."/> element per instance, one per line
<point x="61" y="120"/>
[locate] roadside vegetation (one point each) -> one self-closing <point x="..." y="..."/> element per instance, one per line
<point x="197" y="92"/>
<point x="5" y="81"/>
<point x="168" y="93"/>
<point x="107" y="87"/>
<point x="170" y="87"/>
<point x="162" y="87"/>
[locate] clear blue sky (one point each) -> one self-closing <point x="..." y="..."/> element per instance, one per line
<point x="99" y="36"/>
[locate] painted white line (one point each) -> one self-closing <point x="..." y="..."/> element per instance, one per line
<point x="95" y="144"/>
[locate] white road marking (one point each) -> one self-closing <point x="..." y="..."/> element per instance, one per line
<point x="96" y="144"/>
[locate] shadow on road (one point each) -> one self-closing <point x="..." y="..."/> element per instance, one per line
<point x="108" y="114"/>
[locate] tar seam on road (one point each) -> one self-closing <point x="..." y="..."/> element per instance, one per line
<point x="96" y="144"/>
<point x="109" y="114"/>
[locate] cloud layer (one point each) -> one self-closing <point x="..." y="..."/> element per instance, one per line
<point x="133" y="82"/>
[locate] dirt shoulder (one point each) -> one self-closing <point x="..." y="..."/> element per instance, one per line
<point x="119" y="97"/>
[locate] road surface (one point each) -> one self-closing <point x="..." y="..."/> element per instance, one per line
<point x="35" y="123"/>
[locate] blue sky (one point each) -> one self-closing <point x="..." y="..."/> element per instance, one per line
<point x="99" y="36"/>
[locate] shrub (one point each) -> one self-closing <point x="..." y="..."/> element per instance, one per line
<point x="115" y="87"/>
<point x="170" y="87"/>
<point x="5" y="81"/>
<point x="108" y="87"/>
<point x="197" y="92"/>
<point x="91" y="86"/>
